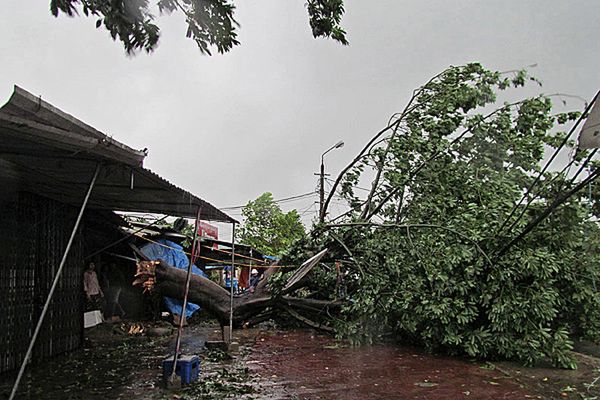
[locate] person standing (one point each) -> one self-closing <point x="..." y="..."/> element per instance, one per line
<point x="116" y="282"/>
<point x="91" y="287"/>
<point x="254" y="279"/>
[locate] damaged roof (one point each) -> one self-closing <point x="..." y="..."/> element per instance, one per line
<point x="47" y="151"/>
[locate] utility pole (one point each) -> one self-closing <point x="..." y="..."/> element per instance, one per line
<point x="322" y="181"/>
<point x="321" y="191"/>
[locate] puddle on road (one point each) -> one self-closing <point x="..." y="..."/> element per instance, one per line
<point x="312" y="366"/>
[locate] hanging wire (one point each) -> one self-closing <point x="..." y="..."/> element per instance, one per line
<point x="279" y="201"/>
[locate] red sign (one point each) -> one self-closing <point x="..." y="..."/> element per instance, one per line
<point x="207" y="230"/>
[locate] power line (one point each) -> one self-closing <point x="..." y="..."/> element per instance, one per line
<point x="354" y="187"/>
<point x="306" y="210"/>
<point x="284" y="200"/>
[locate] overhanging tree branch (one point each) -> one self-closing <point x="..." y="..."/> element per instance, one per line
<point x="409" y="107"/>
<point x="538" y="177"/>
<point x="405" y="226"/>
<point x="555" y="204"/>
<point x="435" y="155"/>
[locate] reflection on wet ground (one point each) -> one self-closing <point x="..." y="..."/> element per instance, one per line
<point x="286" y="365"/>
<point x="316" y="367"/>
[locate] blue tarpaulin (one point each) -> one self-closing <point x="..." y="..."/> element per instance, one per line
<point x="175" y="257"/>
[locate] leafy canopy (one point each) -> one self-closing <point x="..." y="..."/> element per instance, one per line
<point x="267" y="228"/>
<point x="210" y="23"/>
<point x="425" y="250"/>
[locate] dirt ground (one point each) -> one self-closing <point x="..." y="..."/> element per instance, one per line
<point x="296" y="364"/>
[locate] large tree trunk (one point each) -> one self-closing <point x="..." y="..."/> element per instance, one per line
<point x="249" y="308"/>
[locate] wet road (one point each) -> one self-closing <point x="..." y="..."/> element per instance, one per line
<point x="311" y="366"/>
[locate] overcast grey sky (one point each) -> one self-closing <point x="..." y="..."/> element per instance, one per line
<point x="230" y="127"/>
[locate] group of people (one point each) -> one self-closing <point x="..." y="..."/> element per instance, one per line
<point x="103" y="293"/>
<point x="252" y="283"/>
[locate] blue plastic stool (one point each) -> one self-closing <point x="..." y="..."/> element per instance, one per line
<point x="188" y="368"/>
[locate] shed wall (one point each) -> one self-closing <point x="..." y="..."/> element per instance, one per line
<point x="34" y="232"/>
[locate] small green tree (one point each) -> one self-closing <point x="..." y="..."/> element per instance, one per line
<point x="267" y="228"/>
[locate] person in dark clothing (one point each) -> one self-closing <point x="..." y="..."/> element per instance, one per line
<point x="116" y="281"/>
<point x="254" y="279"/>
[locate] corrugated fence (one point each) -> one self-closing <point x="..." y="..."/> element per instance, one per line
<point x="33" y="235"/>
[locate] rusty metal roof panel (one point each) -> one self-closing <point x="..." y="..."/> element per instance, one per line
<point x="44" y="150"/>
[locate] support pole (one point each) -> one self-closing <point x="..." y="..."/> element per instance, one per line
<point x="322" y="210"/>
<point x="54" y="284"/>
<point x="232" y="270"/>
<point x="321" y="191"/>
<point x="185" y="296"/>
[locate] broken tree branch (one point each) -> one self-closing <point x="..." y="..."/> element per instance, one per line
<point x="404" y="226"/>
<point x="248" y="308"/>
<point x="409" y="108"/>
<point x="307" y="321"/>
<point x="555" y="204"/>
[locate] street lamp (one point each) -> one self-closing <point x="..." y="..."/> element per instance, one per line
<point x="322" y="181"/>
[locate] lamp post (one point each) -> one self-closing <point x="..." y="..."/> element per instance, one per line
<point x="322" y="181"/>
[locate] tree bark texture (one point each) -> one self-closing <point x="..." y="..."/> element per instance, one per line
<point x="248" y="308"/>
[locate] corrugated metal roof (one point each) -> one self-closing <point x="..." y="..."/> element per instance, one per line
<point x="47" y="151"/>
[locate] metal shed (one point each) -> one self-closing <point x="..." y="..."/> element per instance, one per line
<point x="49" y="161"/>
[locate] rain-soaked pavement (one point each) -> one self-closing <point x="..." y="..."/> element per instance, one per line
<point x="310" y="366"/>
<point x="288" y="365"/>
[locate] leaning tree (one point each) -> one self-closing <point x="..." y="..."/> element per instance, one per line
<point x="463" y="240"/>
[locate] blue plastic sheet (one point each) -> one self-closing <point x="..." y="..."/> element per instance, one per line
<point x="175" y="257"/>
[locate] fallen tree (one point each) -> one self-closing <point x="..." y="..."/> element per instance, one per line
<point x="249" y="308"/>
<point x="462" y="243"/>
<point x="463" y="240"/>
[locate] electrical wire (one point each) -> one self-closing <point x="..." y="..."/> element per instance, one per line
<point x="279" y="201"/>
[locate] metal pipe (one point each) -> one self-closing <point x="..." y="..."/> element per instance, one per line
<point x="185" y="296"/>
<point x="54" y="284"/>
<point x="232" y="270"/>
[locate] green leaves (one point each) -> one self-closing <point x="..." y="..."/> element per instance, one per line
<point x="210" y="23"/>
<point x="456" y="160"/>
<point x="325" y="17"/>
<point x="130" y="21"/>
